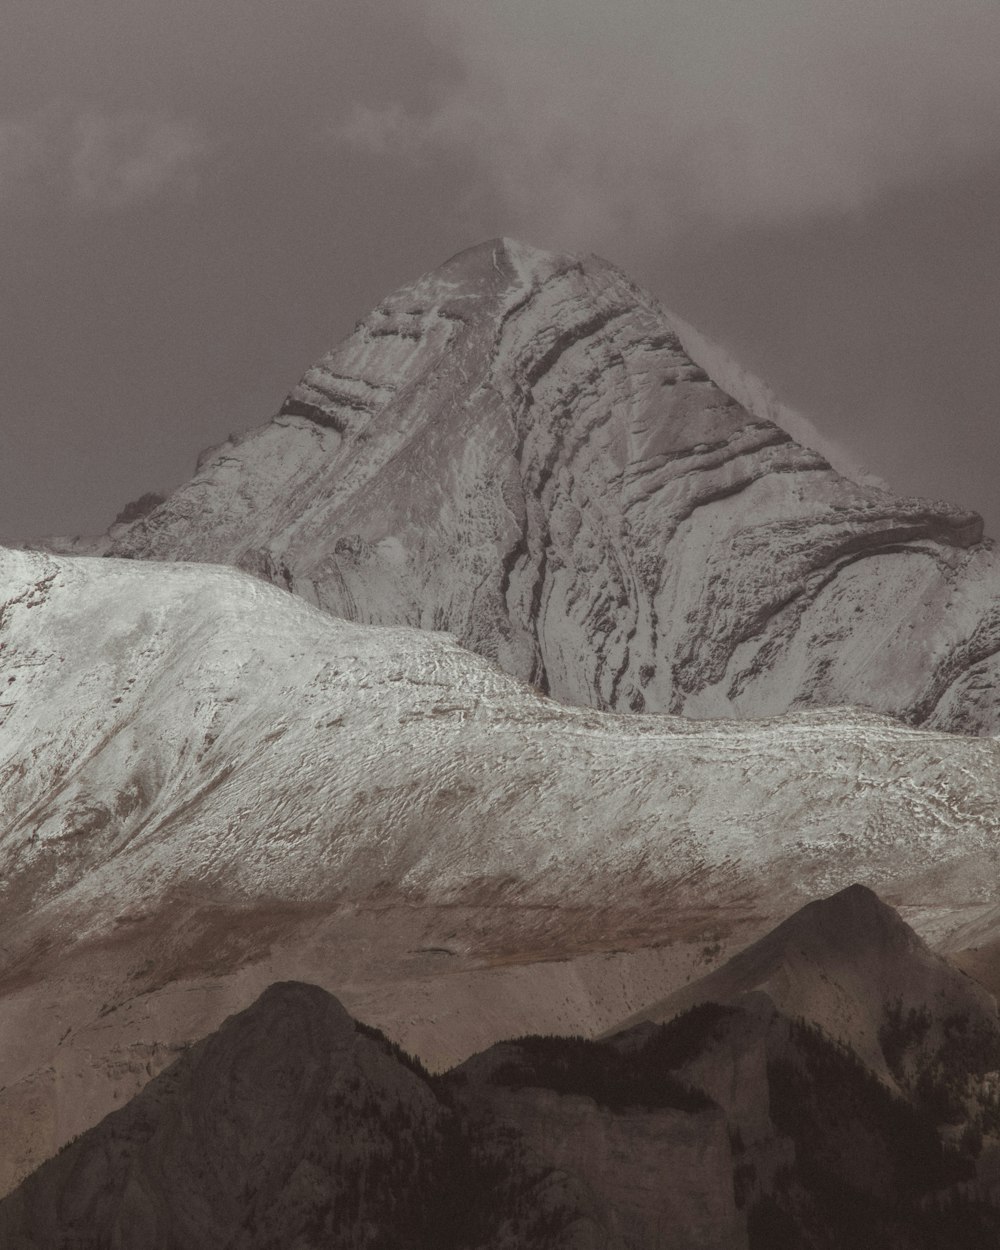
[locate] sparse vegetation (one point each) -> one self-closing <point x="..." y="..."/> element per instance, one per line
<point x="572" y="1065"/>
<point x="616" y="1077"/>
<point x="900" y="1032"/>
<point x="871" y="1167"/>
<point x="393" y="1048"/>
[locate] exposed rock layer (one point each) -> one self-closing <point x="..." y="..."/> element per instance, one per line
<point x="517" y="449"/>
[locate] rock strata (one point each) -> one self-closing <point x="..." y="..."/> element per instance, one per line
<point x="517" y="449"/>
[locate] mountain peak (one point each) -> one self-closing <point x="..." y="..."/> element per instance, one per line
<point x="854" y="916"/>
<point x="518" y="449"/>
<point x="837" y="962"/>
<point x="501" y="249"/>
<point x="282" y="999"/>
<point x="485" y="270"/>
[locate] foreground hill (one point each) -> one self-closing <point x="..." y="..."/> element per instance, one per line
<point x="206" y="785"/>
<point x="292" y="1126"/>
<point x="837" y="963"/>
<point x="727" y="1127"/>
<point x="517" y="449"/>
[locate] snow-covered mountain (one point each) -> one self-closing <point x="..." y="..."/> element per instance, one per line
<point x="732" y="376"/>
<point x="517" y="448"/>
<point x="207" y="784"/>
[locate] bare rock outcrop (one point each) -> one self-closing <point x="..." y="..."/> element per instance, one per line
<point x="517" y="449"/>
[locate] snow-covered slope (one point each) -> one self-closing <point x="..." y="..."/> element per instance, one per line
<point x="207" y="784"/>
<point x="167" y="723"/>
<point x="518" y="449"/>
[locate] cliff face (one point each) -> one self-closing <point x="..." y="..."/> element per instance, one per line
<point x="658" y="1177"/>
<point x="654" y="1151"/>
<point x="517" y="449"/>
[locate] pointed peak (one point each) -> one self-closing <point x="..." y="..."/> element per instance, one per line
<point x="854" y="919"/>
<point x="855" y="902"/>
<point x="504" y="259"/>
<point x="497" y="250"/>
<point x="854" y="897"/>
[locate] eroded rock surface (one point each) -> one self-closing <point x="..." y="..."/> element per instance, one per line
<point x="517" y="449"/>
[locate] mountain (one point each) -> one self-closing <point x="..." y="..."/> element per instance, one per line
<point x="207" y="784"/>
<point x="732" y="376"/>
<point x="293" y="1126"/>
<point x="857" y="1071"/>
<point x="736" y="1126"/>
<point x="517" y="449"/>
<point x="849" y="965"/>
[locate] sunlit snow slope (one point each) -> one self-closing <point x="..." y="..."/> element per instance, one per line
<point x="207" y="784"/>
<point x="184" y="723"/>
<point x="517" y="448"/>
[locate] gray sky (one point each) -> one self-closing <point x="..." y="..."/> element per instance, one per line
<point x="198" y="198"/>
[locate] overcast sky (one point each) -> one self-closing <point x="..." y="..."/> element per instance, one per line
<point x="198" y="198"/>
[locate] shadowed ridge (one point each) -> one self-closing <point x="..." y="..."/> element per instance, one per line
<point x="254" y="1136"/>
<point x="294" y="1126"/>
<point x="843" y="963"/>
<point x="850" y="920"/>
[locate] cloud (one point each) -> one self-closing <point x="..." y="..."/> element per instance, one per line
<point x="757" y="397"/>
<point x="593" y="123"/>
<point x="22" y="157"/>
<point x="121" y="161"/>
<point x="97" y="162"/>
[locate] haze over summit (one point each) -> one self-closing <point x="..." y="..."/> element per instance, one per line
<point x="195" y="203"/>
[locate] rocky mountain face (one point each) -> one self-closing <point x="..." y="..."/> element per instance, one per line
<point x="209" y="784"/>
<point x="728" y="1126"/>
<point x="517" y="449"/>
<point x="206" y="784"/>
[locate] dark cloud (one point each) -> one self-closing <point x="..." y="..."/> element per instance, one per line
<point x="197" y="198"/>
<point x="176" y="240"/>
<point x="591" y="120"/>
<point x="91" y="161"/>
